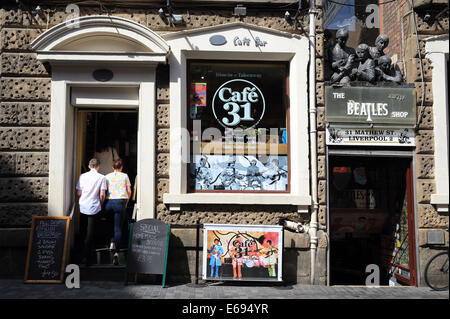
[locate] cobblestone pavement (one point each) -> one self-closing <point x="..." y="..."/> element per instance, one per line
<point x="17" y="289"/>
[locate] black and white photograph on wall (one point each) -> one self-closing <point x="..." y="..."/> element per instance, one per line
<point x="239" y="172"/>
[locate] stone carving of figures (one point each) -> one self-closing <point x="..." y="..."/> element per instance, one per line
<point x="381" y="43"/>
<point x="342" y="58"/>
<point x="366" y="68"/>
<point x="385" y="72"/>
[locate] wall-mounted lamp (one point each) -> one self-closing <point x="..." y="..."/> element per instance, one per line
<point x="167" y="16"/>
<point x="287" y="17"/>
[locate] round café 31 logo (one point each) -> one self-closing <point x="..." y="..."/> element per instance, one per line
<point x="237" y="102"/>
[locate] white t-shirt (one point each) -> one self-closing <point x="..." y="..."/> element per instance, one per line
<point x="90" y="184"/>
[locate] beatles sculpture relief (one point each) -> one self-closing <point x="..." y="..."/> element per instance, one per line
<point x="366" y="64"/>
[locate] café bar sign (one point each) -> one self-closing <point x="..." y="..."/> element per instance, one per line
<point x="370" y="136"/>
<point x="371" y="105"/>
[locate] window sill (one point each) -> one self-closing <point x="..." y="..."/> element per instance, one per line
<point x="175" y="200"/>
<point x="440" y="201"/>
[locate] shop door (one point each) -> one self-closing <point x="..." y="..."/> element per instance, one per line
<point x="96" y="131"/>
<point x="371" y="219"/>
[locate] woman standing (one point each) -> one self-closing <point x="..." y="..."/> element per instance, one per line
<point x="119" y="192"/>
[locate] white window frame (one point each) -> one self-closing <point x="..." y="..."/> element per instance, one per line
<point x="279" y="46"/>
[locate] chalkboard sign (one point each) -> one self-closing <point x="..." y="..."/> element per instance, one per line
<point x="47" y="249"/>
<point x="148" y="245"/>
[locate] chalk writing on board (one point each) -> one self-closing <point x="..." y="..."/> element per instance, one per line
<point x="47" y="249"/>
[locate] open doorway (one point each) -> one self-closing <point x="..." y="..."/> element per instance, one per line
<point x="371" y="211"/>
<point x="97" y="131"/>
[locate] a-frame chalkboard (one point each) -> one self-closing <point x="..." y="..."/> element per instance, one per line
<point x="47" y="249"/>
<point x="148" y="247"/>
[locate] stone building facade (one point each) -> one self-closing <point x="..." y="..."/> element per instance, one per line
<point x="25" y="125"/>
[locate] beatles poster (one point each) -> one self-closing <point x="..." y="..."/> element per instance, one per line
<point x="242" y="252"/>
<point x="239" y="172"/>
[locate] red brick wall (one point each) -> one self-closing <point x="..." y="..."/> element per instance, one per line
<point x="390" y="24"/>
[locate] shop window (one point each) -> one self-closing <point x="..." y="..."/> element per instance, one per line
<point x="237" y="117"/>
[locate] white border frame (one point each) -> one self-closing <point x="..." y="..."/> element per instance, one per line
<point x="237" y="227"/>
<point x="73" y="68"/>
<point x="281" y="47"/>
<point x="437" y="52"/>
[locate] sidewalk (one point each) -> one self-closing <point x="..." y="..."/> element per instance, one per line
<point x="16" y="289"/>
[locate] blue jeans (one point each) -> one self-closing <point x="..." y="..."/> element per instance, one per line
<point x="117" y="206"/>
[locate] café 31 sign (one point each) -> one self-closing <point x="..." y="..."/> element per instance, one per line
<point x="370" y="105"/>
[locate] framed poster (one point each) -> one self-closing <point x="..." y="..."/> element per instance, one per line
<point x="242" y="252"/>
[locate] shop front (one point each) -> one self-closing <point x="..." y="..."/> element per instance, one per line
<point x="371" y="208"/>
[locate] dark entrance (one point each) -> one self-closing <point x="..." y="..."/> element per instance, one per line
<point x="371" y="219"/>
<point x="106" y="134"/>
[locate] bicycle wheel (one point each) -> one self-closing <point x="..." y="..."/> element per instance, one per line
<point x="436" y="271"/>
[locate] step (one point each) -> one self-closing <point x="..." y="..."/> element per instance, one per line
<point x="105" y="257"/>
<point x="102" y="273"/>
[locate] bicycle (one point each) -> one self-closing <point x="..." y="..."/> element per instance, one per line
<point x="436" y="271"/>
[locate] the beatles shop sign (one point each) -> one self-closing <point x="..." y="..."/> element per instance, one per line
<point x="371" y="105"/>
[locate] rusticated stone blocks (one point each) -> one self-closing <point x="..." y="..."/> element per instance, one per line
<point x="319" y="45"/>
<point x="437" y="27"/>
<point x="320" y="94"/>
<point x="26" y="89"/>
<point x="21" y="138"/>
<point x="321" y="167"/>
<point x="162" y="165"/>
<point x="21" y="63"/>
<point x="320" y="71"/>
<point x="320" y="111"/>
<point x="24" y="189"/>
<point x="424" y="191"/>
<point x="322" y="192"/>
<point x="163" y="94"/>
<point x="425" y="142"/>
<point x="322" y="215"/>
<point x="162" y="188"/>
<point x="321" y="142"/>
<point x="229" y="214"/>
<point x="428" y="93"/>
<point x="425" y="166"/>
<point x="414" y="70"/>
<point x="162" y="116"/>
<point x="430" y="218"/>
<point x="426" y="119"/>
<point x="18" y="39"/>
<point x="20" y="214"/>
<point x="162" y="142"/>
<point x="31" y="164"/>
<point x="25" y="113"/>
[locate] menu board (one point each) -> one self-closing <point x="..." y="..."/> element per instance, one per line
<point x="47" y="249"/>
<point x="149" y="241"/>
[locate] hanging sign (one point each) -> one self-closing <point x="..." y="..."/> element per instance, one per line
<point x="242" y="252"/>
<point x="370" y="105"/>
<point x="370" y="136"/>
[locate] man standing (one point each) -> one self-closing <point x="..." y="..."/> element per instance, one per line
<point x="91" y="189"/>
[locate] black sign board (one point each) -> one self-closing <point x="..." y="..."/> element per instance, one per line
<point x="47" y="249"/>
<point x="148" y="247"/>
<point x="377" y="105"/>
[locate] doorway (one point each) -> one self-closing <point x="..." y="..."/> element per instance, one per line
<point x="112" y="133"/>
<point x="371" y="211"/>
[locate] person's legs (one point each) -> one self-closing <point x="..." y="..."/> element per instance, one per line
<point x="89" y="237"/>
<point x="119" y="217"/>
